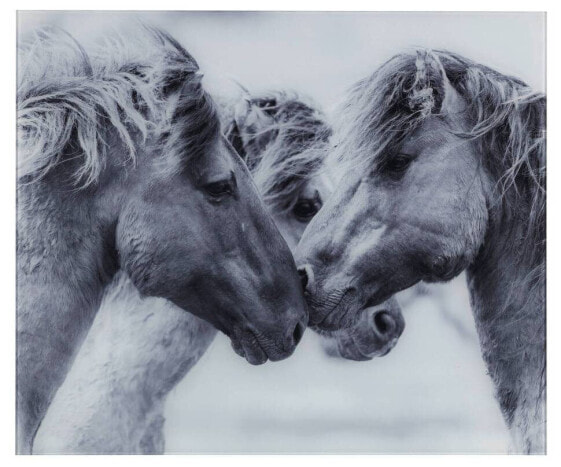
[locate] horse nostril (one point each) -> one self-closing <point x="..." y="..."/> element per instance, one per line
<point x="298" y="333"/>
<point x="303" y="276"/>
<point x="306" y="274"/>
<point x="384" y="323"/>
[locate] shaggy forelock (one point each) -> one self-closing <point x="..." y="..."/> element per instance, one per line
<point x="294" y="152"/>
<point x="67" y="96"/>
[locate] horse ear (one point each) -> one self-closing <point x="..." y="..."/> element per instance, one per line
<point x="448" y="100"/>
<point x="432" y="91"/>
<point x="451" y="101"/>
<point x="241" y="110"/>
<point x="232" y="134"/>
<point x="249" y="132"/>
<point x="268" y="105"/>
<point x="250" y="117"/>
<point x="424" y="96"/>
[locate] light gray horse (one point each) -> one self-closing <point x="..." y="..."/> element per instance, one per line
<point x="445" y="172"/>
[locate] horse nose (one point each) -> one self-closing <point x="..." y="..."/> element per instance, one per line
<point x="294" y="336"/>
<point x="386" y="325"/>
<point x="306" y="274"/>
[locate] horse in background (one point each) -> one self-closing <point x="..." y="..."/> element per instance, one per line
<point x="278" y="135"/>
<point x="444" y="163"/>
<point x="121" y="164"/>
<point x="374" y="334"/>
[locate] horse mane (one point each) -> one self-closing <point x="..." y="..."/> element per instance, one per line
<point x="293" y="152"/>
<point x="69" y="99"/>
<point x="507" y="118"/>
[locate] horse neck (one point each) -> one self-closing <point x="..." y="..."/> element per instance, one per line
<point x="136" y="352"/>
<point x="507" y="290"/>
<point x="61" y="271"/>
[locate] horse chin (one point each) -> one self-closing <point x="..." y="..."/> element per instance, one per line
<point x="352" y="352"/>
<point x="350" y="349"/>
<point x="251" y="350"/>
<point x="342" y="345"/>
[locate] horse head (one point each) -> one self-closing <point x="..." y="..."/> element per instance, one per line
<point x="400" y="213"/>
<point x="136" y="141"/>
<point x="416" y="199"/>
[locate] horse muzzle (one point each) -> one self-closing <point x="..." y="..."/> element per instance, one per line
<point x="374" y="335"/>
<point x="258" y="347"/>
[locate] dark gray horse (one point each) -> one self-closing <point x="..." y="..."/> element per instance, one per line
<point x="122" y="164"/>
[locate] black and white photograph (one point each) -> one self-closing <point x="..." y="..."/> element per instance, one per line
<point x="280" y="232"/>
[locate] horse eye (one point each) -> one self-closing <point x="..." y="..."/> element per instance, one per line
<point x="220" y="188"/>
<point x="305" y="209"/>
<point x="397" y="164"/>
